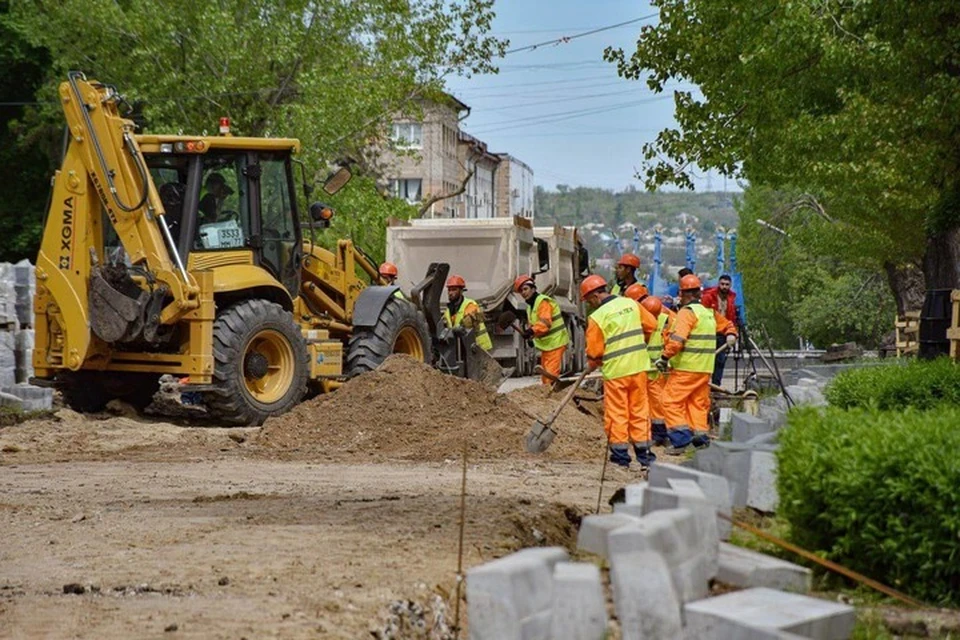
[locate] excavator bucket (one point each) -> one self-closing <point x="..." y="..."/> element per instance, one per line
<point x="116" y="305"/>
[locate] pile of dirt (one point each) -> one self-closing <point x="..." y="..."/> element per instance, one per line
<point x="408" y="410"/>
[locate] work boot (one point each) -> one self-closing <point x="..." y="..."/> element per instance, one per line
<point x="680" y="438"/>
<point x="660" y="433"/>
<point x="645" y="457"/>
<point x="700" y="441"/>
<point x="620" y="455"/>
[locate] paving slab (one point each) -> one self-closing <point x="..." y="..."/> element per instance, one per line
<point x="747" y="426"/>
<point x="594" y="530"/>
<point x="511" y="598"/>
<point x="753" y="475"/>
<point x="579" y="605"/>
<point x="672" y="533"/>
<point x="715" y="488"/>
<point x="746" y="568"/>
<point x="645" y="598"/>
<point x="737" y="615"/>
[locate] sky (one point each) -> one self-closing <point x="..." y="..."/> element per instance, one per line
<point x="560" y="108"/>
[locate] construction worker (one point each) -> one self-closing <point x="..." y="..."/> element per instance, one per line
<point x="545" y="326"/>
<point x="689" y="350"/>
<point x="615" y="343"/>
<point x="724" y="301"/>
<point x="626" y="272"/>
<point x="464" y="312"/>
<point x="655" y="379"/>
<point x="389" y="273"/>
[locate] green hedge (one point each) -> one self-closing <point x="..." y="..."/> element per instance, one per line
<point x="878" y="492"/>
<point x="922" y="384"/>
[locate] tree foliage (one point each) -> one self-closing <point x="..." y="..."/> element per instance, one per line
<point x="330" y="72"/>
<point x="856" y="102"/>
<point x="812" y="282"/>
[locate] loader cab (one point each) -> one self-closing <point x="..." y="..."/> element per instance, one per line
<point x="231" y="206"/>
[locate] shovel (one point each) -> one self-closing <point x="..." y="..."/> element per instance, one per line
<point x="541" y="434"/>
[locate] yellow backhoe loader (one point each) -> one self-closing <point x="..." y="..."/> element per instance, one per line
<point x="186" y="255"/>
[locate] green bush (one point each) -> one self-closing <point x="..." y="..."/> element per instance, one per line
<point x="922" y="384"/>
<point x="878" y="492"/>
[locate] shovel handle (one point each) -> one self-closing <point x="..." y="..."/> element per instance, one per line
<point x="722" y="349"/>
<point x="566" y="398"/>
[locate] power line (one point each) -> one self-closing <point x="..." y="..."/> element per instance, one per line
<point x="559" y="117"/>
<point x="567" y="39"/>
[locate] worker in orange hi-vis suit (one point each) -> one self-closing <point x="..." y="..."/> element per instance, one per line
<point x="689" y="353"/>
<point x="655" y="379"/>
<point x="615" y="342"/>
<point x="545" y="326"/>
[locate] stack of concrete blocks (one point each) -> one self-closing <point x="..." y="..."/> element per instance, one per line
<point x="18" y="285"/>
<point x="536" y="594"/>
<point x="661" y="564"/>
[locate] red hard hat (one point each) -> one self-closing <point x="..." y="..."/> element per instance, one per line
<point x="456" y="281"/>
<point x="388" y="269"/>
<point x="522" y="280"/>
<point x="630" y="260"/>
<point x="591" y="284"/>
<point x="689" y="282"/>
<point x="653" y="305"/>
<point x="636" y="291"/>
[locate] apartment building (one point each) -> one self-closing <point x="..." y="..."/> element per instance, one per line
<point x="432" y="156"/>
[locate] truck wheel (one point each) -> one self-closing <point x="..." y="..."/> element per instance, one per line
<point x="260" y="363"/>
<point x="399" y="329"/>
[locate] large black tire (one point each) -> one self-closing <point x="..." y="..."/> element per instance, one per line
<point x="399" y="329"/>
<point x="260" y="363"/>
<point x="90" y="391"/>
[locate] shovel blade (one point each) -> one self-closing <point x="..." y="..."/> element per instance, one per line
<point x="539" y="438"/>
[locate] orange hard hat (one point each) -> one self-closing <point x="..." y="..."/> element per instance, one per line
<point x="653" y="305"/>
<point x="689" y="282"/>
<point x="629" y="260"/>
<point x="522" y="280"/>
<point x="636" y="291"/>
<point x="591" y="284"/>
<point x="456" y="281"/>
<point x="388" y="269"/>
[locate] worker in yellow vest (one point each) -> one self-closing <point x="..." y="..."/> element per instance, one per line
<point x="464" y="312"/>
<point x="626" y="273"/>
<point x="689" y="350"/>
<point x="615" y="343"/>
<point x="545" y="325"/>
<point x="389" y="273"/>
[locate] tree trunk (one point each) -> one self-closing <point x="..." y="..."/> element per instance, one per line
<point x="941" y="261"/>
<point x="907" y="283"/>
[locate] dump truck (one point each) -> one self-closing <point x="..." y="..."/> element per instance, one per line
<point x="187" y="255"/>
<point x="490" y="254"/>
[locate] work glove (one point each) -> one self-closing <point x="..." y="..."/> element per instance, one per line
<point x="527" y="333"/>
<point x="661" y="364"/>
<point x="731" y="340"/>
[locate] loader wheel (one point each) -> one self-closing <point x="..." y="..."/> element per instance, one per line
<point x="260" y="363"/>
<point x="399" y="329"/>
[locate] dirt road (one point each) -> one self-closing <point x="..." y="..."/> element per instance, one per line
<point x="165" y="527"/>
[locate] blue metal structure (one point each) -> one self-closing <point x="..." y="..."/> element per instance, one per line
<point x="721" y="251"/>
<point x="691" y="256"/>
<point x="655" y="282"/>
<point x="737" y="279"/>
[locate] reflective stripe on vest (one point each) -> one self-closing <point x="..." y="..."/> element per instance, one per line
<point x="479" y="329"/>
<point x="557" y="336"/>
<point x="655" y="348"/>
<point x="697" y="354"/>
<point x="624" y="350"/>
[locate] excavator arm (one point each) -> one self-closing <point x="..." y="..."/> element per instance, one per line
<point x="104" y="180"/>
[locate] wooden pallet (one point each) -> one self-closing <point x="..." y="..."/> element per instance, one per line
<point x="908" y="333"/>
<point x="953" y="333"/>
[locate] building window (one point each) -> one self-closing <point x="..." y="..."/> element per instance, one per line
<point x="408" y="135"/>
<point x="407" y="188"/>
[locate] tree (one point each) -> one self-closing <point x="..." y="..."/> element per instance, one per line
<point x="329" y="72"/>
<point x="855" y="103"/>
